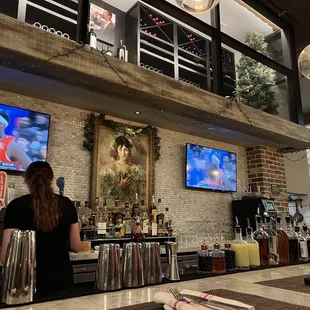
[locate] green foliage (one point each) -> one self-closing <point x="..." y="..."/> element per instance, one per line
<point x="256" y="82"/>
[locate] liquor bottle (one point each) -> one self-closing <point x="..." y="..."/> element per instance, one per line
<point x="144" y="219"/>
<point x="92" y="38"/>
<point x="136" y="208"/>
<point x="218" y="260"/>
<point x="284" y="253"/>
<point x="122" y="52"/>
<point x="302" y="245"/>
<point x="111" y="228"/>
<point x="253" y="247"/>
<point x="241" y="249"/>
<point x="292" y="241"/>
<point x="230" y="258"/>
<point x="204" y="259"/>
<point x="127" y="223"/>
<point x="122" y="232"/>
<point x="262" y="238"/>
<point x="118" y="227"/>
<point x="102" y="219"/>
<point x="117" y="211"/>
<point x="272" y="242"/>
<point x="154" y="210"/>
<point x="137" y="234"/>
<point x="168" y="222"/>
<point x="160" y="220"/>
<point x="307" y="236"/>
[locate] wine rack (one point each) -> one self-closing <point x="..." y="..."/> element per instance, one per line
<point x="157" y="41"/>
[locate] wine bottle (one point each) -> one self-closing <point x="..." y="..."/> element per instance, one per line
<point x="92" y="38"/>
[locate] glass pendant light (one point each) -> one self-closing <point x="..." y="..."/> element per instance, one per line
<point x="304" y="62"/>
<point x="197" y="6"/>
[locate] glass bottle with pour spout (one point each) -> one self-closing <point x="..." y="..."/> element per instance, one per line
<point x="284" y="253"/>
<point x="302" y="242"/>
<point x="262" y="238"/>
<point x="292" y="241"/>
<point x="273" y="243"/>
<point x="240" y="247"/>
<point x="253" y="247"/>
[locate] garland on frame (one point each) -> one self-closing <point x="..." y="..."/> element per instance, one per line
<point x="90" y="126"/>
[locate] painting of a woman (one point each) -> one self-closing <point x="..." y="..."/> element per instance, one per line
<point x="122" y="170"/>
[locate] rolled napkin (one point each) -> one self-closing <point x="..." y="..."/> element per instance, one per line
<point x="219" y="299"/>
<point x="170" y="303"/>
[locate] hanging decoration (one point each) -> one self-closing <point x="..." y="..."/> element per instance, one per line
<point x="304" y="62"/>
<point x="90" y="127"/>
<point x="197" y="6"/>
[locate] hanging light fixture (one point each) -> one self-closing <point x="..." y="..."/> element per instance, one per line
<point x="197" y="6"/>
<point x="304" y="62"/>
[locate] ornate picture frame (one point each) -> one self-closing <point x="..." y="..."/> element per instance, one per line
<point x="123" y="162"/>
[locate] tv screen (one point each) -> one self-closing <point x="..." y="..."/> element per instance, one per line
<point x="211" y="169"/>
<point x="23" y="137"/>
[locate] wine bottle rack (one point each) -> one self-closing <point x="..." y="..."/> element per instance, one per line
<point x="160" y="42"/>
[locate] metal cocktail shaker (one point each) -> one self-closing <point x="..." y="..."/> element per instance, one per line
<point x="133" y="265"/>
<point x="18" y="283"/>
<point x="172" y="272"/>
<point x="152" y="263"/>
<point x="109" y="272"/>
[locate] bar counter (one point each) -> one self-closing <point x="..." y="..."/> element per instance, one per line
<point x="243" y="282"/>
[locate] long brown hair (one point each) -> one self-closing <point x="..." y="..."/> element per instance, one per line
<point x="38" y="177"/>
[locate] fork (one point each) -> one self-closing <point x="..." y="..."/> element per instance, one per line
<point x="178" y="296"/>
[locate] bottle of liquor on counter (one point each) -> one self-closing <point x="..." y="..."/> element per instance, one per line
<point x="284" y="253"/>
<point x="302" y="242"/>
<point x="218" y="260"/>
<point x="273" y="243"/>
<point x="204" y="260"/>
<point x="136" y="208"/>
<point x="154" y="210"/>
<point x="168" y="223"/>
<point x="127" y="221"/>
<point x="144" y="219"/>
<point x="92" y="38"/>
<point x="230" y="258"/>
<point x="111" y="228"/>
<point x="122" y="52"/>
<point x="160" y="220"/>
<point x="137" y="234"/>
<point x="292" y="241"/>
<point x="262" y="238"/>
<point x="102" y="219"/>
<point x="307" y="236"/>
<point x="118" y="227"/>
<point x="253" y="247"/>
<point x="241" y="249"/>
<point x="117" y="211"/>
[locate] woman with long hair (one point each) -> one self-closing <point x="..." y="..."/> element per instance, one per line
<point x="54" y="219"/>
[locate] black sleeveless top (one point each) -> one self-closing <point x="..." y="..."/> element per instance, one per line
<point x="54" y="269"/>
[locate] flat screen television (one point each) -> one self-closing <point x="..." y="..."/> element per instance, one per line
<point x="210" y="169"/>
<point x="23" y="137"/>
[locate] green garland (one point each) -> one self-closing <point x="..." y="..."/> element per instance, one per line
<point x="90" y="127"/>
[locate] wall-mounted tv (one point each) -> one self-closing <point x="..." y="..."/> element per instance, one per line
<point x="210" y="169"/>
<point x="23" y="137"/>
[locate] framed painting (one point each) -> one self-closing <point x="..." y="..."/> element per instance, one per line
<point x="123" y="163"/>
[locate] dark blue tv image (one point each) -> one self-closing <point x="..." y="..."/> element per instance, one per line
<point x="210" y="169"/>
<point x="24" y="137"/>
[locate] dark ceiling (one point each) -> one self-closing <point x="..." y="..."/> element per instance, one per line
<point x="298" y="13"/>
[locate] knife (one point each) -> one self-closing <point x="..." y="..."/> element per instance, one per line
<point x="219" y="303"/>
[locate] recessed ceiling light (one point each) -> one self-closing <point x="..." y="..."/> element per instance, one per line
<point x="137" y="112"/>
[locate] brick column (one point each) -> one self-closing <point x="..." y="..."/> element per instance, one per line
<point x="266" y="168"/>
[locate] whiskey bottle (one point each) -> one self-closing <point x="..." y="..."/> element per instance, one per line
<point x="241" y="249"/>
<point x="218" y="260"/>
<point x="204" y="260"/>
<point x="137" y="234"/>
<point x="273" y="243"/>
<point x="111" y="228"/>
<point x="118" y="227"/>
<point x="262" y="238"/>
<point x="136" y="208"/>
<point x="154" y="210"/>
<point x="127" y="223"/>
<point x="160" y="220"/>
<point x="92" y="38"/>
<point x="302" y="245"/>
<point x="284" y="253"/>
<point x="102" y="219"/>
<point x="253" y="248"/>
<point x="292" y="241"/>
<point x="144" y="219"/>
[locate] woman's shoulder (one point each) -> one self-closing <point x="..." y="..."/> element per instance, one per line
<point x="22" y="201"/>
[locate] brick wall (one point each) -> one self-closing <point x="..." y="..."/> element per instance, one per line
<point x="266" y="168"/>
<point x="193" y="212"/>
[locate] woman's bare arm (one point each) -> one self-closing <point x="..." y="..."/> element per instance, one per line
<point x="74" y="237"/>
<point x="5" y="243"/>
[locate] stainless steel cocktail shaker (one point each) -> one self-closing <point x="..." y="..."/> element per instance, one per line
<point x="172" y="272"/>
<point x="152" y="263"/>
